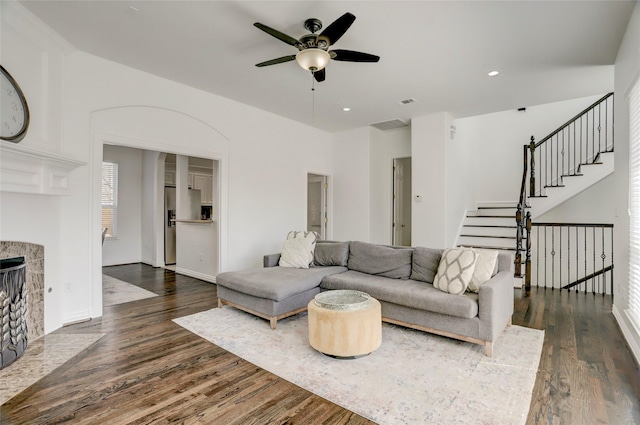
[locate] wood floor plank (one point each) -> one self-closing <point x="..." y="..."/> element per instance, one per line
<point x="148" y="370"/>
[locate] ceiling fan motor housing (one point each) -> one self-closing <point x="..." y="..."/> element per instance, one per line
<point x="313" y="24"/>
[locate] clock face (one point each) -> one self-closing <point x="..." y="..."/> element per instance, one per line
<point x="14" y="112"/>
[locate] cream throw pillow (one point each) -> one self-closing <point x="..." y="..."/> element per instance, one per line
<point x="484" y="268"/>
<point x="455" y="270"/>
<point x="298" y="250"/>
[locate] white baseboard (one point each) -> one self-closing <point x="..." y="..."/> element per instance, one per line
<point x="197" y="275"/>
<point x="118" y="262"/>
<point x="630" y="334"/>
<point x="76" y="317"/>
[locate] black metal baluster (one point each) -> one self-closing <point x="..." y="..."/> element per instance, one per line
<point x="586" y="285"/>
<point x="560" y="259"/>
<point x="603" y="256"/>
<point x="568" y="255"/>
<point x="577" y="256"/>
<point x="593" y="289"/>
<point x="537" y="256"/>
<point x="553" y="258"/>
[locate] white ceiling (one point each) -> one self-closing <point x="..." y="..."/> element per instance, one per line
<point x="437" y="52"/>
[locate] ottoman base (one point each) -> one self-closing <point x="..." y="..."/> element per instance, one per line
<point x="345" y="333"/>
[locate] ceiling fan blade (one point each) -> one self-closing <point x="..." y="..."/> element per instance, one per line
<point x="351" y="56"/>
<point x="338" y="27"/>
<point x="276" y="61"/>
<point x="320" y="75"/>
<point x="277" y="34"/>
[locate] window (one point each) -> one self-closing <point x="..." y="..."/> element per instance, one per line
<point x="109" y="197"/>
<point x="634" y="204"/>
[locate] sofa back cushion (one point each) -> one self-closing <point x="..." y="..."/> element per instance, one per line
<point x="425" y="263"/>
<point x="380" y="260"/>
<point x="331" y="253"/>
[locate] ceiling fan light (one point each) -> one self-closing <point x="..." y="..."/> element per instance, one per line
<point x="312" y="59"/>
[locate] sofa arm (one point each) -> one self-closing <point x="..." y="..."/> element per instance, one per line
<point x="495" y="304"/>
<point x="271" y="260"/>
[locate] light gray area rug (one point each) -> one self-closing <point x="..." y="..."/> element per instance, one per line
<point x="116" y="291"/>
<point x="413" y="378"/>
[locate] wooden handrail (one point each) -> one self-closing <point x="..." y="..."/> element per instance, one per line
<point x="523" y="185"/>
<point x="606" y="225"/>
<point x="586" y="278"/>
<point x="565" y="125"/>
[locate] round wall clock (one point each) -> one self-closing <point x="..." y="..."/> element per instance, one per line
<point x="14" y="112"/>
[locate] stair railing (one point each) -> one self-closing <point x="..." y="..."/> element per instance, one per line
<point x="576" y="143"/>
<point x="573" y="256"/>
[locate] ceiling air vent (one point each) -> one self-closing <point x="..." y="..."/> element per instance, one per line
<point x="390" y="125"/>
<point x="407" y="101"/>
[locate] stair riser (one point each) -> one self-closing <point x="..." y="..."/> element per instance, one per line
<point x="488" y="231"/>
<point x="490" y="221"/>
<point x="487" y="242"/>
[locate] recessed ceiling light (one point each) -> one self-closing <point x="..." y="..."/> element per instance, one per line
<point x="346" y="109"/>
<point x="493" y="73"/>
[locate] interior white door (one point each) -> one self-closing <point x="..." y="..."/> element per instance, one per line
<point x="317" y="217"/>
<point x="401" y="226"/>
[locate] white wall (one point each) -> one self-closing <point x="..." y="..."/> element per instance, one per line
<point x="590" y="206"/>
<point x="350" y="185"/>
<point x="150" y="183"/>
<point x="497" y="139"/>
<point x="627" y="71"/>
<point x="126" y="247"/>
<point x="384" y="147"/>
<point x="428" y="168"/>
<point x="34" y="55"/>
<point x="264" y="158"/>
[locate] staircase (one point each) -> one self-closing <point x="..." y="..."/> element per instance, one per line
<point x="491" y="226"/>
<point x="566" y="162"/>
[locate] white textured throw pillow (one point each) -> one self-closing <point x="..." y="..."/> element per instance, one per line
<point x="455" y="270"/>
<point x="484" y="268"/>
<point x="298" y="250"/>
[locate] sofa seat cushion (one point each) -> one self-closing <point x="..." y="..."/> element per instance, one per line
<point x="410" y="293"/>
<point x="275" y="283"/>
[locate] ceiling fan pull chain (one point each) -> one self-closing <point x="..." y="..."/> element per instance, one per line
<point x="313" y="99"/>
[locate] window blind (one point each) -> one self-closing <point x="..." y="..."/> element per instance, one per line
<point x="634" y="204"/>
<point x="109" y="197"/>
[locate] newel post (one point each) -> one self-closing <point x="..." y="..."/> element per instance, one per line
<point x="527" y="273"/>
<point x="519" y="232"/>
<point x="532" y="175"/>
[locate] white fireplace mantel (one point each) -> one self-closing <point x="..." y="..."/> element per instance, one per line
<point x="27" y="170"/>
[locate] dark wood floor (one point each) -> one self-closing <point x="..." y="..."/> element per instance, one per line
<point x="149" y="370"/>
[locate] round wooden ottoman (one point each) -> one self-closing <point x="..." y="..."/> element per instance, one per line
<point x="345" y="323"/>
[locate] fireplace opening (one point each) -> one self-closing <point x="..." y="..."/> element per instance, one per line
<point x="13" y="310"/>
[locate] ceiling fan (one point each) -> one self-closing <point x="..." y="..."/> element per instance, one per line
<point x="314" y="53"/>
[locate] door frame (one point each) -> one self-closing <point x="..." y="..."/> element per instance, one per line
<point x="324" y="202"/>
<point x="394" y="190"/>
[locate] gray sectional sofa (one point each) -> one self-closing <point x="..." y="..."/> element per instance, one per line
<point x="400" y="278"/>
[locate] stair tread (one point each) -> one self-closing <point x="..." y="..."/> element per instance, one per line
<point x="490" y="226"/>
<point x="497" y="208"/>
<point x="573" y="175"/>
<point x="491" y="216"/>
<point x="488" y="236"/>
<point x="592" y="163"/>
<point x="553" y="185"/>
<point x="499" y="248"/>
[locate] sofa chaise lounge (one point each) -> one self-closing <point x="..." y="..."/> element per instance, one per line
<point x="400" y="278"/>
